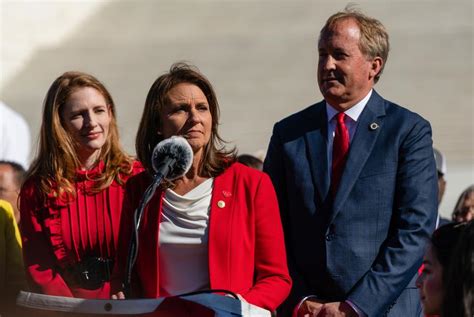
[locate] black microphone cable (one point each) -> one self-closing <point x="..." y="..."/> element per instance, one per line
<point x="171" y="159"/>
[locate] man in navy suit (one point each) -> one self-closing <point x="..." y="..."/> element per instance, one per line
<point x="356" y="181"/>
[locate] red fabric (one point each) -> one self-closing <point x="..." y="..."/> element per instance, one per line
<point x="340" y="148"/>
<point x="57" y="234"/>
<point x="246" y="248"/>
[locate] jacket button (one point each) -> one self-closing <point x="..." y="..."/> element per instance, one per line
<point x="221" y="204"/>
<point x="329" y="237"/>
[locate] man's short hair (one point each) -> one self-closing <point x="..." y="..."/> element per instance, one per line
<point x="18" y="171"/>
<point x="374" y="41"/>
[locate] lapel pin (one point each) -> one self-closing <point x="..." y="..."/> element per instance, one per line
<point x="374" y="126"/>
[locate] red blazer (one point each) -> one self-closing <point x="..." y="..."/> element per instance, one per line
<point x="246" y="247"/>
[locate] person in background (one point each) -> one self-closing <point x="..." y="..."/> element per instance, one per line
<point x="215" y="227"/>
<point x="71" y="201"/>
<point x="441" y="168"/>
<point x="437" y="261"/>
<point x="250" y="161"/>
<point x="12" y="275"/>
<point x="464" y="208"/>
<point x="15" y="139"/>
<point x="459" y="290"/>
<point x="356" y="181"/>
<point x="12" y="176"/>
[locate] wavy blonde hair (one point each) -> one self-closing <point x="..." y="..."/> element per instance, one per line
<point x="57" y="161"/>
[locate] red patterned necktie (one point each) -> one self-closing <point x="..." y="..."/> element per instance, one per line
<point x="340" y="148"/>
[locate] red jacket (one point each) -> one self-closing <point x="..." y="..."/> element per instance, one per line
<point x="58" y="234"/>
<point x="246" y="248"/>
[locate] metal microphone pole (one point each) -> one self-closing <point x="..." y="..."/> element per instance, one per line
<point x="133" y="246"/>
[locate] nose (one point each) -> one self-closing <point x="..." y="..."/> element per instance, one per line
<point x="419" y="280"/>
<point x="327" y="62"/>
<point x="469" y="216"/>
<point x="194" y="116"/>
<point x="90" y="120"/>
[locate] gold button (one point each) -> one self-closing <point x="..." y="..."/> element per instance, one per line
<point x="221" y="204"/>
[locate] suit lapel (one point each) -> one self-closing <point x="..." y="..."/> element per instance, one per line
<point x="316" y="144"/>
<point x="360" y="149"/>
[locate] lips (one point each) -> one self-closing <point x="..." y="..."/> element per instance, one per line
<point x="192" y="133"/>
<point x="422" y="297"/>
<point x="329" y="79"/>
<point x="92" y="135"/>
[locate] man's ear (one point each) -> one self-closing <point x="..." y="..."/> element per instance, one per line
<point x="376" y="67"/>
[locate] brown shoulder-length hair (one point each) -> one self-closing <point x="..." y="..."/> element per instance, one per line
<point x="216" y="158"/>
<point x="57" y="161"/>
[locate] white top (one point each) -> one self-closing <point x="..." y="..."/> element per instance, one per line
<point x="14" y="137"/>
<point x="183" y="240"/>
<point x="351" y="118"/>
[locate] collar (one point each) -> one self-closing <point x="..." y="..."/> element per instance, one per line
<point x="94" y="172"/>
<point x="353" y="112"/>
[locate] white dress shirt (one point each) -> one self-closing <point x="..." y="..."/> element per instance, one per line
<point x="351" y="119"/>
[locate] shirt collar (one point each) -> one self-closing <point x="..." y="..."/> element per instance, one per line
<point x="353" y="112"/>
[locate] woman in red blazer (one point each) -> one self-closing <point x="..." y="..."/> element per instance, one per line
<point x="71" y="201"/>
<point x="216" y="227"/>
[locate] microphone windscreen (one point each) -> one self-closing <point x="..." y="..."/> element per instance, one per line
<point x="174" y="148"/>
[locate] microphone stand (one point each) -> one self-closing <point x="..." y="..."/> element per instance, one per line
<point x="162" y="172"/>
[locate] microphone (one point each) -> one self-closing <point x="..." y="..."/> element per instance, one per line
<point x="172" y="158"/>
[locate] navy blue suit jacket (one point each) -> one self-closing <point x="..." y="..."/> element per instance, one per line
<point x="367" y="242"/>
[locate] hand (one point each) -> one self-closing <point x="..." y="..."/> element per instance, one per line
<point x="119" y="295"/>
<point x="337" y="309"/>
<point x="310" y="308"/>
